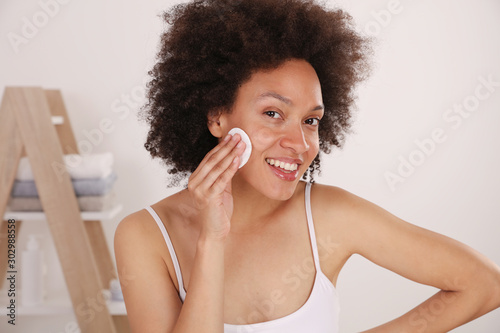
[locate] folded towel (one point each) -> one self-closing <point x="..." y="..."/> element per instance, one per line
<point x="86" y="203"/>
<point x="78" y="166"/>
<point x="82" y="187"/>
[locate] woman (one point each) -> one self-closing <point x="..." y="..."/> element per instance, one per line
<point x="256" y="248"/>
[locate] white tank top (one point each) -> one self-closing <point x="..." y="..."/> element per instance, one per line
<point x="320" y="313"/>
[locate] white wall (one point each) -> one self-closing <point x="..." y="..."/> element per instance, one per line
<point x="429" y="57"/>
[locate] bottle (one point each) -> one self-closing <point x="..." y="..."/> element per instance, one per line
<point x="116" y="291"/>
<point x="32" y="273"/>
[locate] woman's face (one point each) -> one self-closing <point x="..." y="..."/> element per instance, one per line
<point x="280" y="111"/>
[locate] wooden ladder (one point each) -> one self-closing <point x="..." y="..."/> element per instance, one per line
<point x="26" y="128"/>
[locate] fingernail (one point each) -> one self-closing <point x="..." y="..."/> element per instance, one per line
<point x="227" y="137"/>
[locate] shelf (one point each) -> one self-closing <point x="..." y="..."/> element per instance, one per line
<point x="57" y="120"/>
<point x="28" y="117"/>
<point x="57" y="303"/>
<point x="86" y="216"/>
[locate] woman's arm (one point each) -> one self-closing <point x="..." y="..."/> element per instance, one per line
<point x="203" y="309"/>
<point x="152" y="302"/>
<point x="469" y="282"/>
<point x="153" y="305"/>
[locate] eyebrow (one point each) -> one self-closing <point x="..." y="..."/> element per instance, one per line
<point x="284" y="99"/>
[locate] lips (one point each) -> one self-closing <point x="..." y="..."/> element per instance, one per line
<point x="284" y="174"/>
<point x="282" y="164"/>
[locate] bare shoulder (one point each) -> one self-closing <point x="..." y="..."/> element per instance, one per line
<point x="145" y="279"/>
<point x="136" y="238"/>
<point x="329" y="194"/>
<point x="344" y="215"/>
<point x="135" y="222"/>
<point x="334" y="205"/>
<point x="332" y="209"/>
<point x="140" y="228"/>
<point x="136" y="228"/>
<point x="339" y="205"/>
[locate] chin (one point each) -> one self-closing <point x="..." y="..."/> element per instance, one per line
<point x="271" y="186"/>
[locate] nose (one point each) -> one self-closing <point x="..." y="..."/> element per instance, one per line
<point x="294" y="138"/>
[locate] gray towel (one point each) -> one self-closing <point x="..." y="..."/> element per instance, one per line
<point x="86" y="203"/>
<point x="82" y="187"/>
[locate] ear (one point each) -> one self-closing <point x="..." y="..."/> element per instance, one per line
<point x="217" y="123"/>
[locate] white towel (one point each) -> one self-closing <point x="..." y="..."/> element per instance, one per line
<point x="90" y="166"/>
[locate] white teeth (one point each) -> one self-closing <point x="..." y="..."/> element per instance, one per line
<point x="283" y="165"/>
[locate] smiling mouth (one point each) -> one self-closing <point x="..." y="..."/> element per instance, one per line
<point x="283" y="166"/>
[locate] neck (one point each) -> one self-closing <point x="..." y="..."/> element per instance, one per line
<point x="252" y="210"/>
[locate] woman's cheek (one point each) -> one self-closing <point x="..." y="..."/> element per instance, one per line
<point x="314" y="143"/>
<point x="262" y="138"/>
<point x="315" y="149"/>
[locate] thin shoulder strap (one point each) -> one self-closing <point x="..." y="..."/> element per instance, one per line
<point x="310" y="224"/>
<point x="182" y="291"/>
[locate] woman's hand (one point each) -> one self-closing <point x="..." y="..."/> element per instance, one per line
<point x="209" y="187"/>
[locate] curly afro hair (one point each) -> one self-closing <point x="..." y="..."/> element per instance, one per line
<point x="214" y="46"/>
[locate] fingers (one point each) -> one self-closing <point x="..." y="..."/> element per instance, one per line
<point x="215" y="163"/>
<point x="217" y="168"/>
<point x="227" y="140"/>
<point x="218" y="178"/>
<point x="224" y="179"/>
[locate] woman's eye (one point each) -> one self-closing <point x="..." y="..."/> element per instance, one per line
<point x="317" y="121"/>
<point x="272" y="112"/>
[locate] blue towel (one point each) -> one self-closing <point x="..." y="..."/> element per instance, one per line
<point x="82" y="187"/>
<point x="86" y="203"/>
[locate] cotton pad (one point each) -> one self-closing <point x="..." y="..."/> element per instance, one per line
<point x="248" y="145"/>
